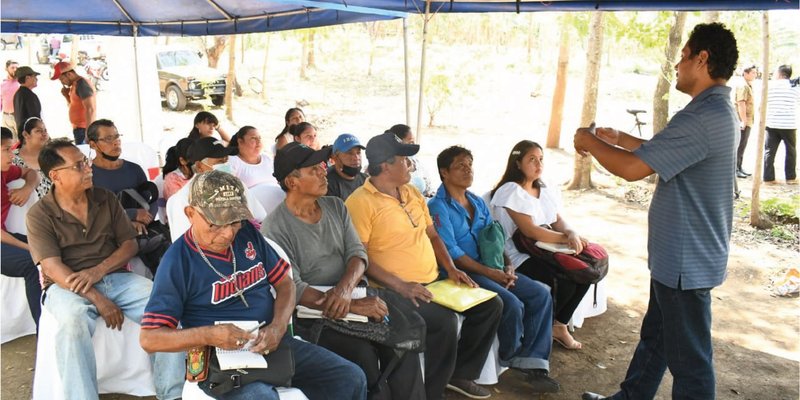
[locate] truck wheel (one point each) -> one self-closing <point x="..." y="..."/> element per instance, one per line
<point x="176" y="100"/>
<point x="218" y="100"/>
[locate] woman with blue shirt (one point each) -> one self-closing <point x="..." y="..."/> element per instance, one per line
<point x="525" y="330"/>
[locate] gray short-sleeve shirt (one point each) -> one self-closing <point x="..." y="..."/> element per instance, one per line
<point x="692" y="208"/>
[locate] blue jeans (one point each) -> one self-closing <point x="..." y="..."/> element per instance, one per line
<point x="76" y="324"/>
<point x="80" y="135"/>
<point x="676" y="333"/>
<point x="17" y="263"/>
<point x="318" y="373"/>
<point x="526" y="327"/>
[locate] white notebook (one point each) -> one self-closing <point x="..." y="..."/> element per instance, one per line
<point x="359" y="292"/>
<point x="555" y="247"/>
<point x="243" y="358"/>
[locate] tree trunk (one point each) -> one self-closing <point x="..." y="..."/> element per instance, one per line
<point x="660" y="97"/>
<point x="304" y="56"/>
<point x="756" y="218"/>
<point x="372" y="30"/>
<point x="557" y="107"/>
<point x="582" y="174"/>
<point x="312" y="58"/>
<point x="214" y="52"/>
<point x="231" y="81"/>
<point x="531" y="38"/>
<point x="264" y="69"/>
<point x="241" y="47"/>
<point x="73" y="56"/>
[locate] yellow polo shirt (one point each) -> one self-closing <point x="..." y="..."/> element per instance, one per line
<point x="387" y="228"/>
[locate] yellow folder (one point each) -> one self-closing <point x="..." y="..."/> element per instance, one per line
<point x="458" y="297"/>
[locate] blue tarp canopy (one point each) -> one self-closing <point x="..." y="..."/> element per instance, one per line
<point x="222" y="17"/>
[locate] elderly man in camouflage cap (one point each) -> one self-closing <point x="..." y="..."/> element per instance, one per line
<point x="222" y="269"/>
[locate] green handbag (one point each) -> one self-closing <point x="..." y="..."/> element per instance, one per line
<point x="491" y="241"/>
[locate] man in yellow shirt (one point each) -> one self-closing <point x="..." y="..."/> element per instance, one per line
<point x="403" y="248"/>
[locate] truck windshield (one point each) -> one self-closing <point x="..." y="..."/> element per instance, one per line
<point x="178" y="59"/>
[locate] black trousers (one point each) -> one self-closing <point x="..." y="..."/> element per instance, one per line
<point x="567" y="295"/>
<point x="405" y="382"/>
<point x="449" y="357"/>
<point x="774" y="139"/>
<point x="745" y="134"/>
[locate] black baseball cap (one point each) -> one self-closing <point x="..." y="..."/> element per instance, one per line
<point x="385" y="146"/>
<point x="295" y="156"/>
<point x="208" y="147"/>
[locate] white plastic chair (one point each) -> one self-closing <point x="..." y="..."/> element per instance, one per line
<point x="144" y="156"/>
<point x="270" y="196"/>
<point x="17" y="319"/>
<point x="122" y="365"/>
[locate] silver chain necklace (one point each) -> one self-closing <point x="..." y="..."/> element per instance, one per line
<point x="231" y="278"/>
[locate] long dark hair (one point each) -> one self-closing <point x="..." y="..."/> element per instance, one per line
<point x="28" y="126"/>
<point x="239" y="135"/>
<point x="298" y="129"/>
<point x="513" y="173"/>
<point x="174" y="154"/>
<point x="202" y="116"/>
<point x="286" y="117"/>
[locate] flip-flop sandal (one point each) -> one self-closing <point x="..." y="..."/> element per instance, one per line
<point x="575" y="345"/>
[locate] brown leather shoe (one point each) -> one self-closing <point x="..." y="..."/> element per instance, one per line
<point x="469" y="388"/>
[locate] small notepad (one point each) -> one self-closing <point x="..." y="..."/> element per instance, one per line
<point x="359" y="292"/>
<point x="555" y="247"/>
<point x="242" y="358"/>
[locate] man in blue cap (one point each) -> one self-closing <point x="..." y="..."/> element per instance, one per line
<point x="345" y="175"/>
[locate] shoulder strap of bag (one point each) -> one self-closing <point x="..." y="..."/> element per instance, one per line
<point x="137" y="197"/>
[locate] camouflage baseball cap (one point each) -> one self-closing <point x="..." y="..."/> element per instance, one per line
<point x="220" y="197"/>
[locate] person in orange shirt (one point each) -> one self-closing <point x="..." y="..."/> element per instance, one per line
<point x="80" y="97"/>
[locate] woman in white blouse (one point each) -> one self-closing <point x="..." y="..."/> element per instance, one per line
<point x="251" y="165"/>
<point x="522" y="201"/>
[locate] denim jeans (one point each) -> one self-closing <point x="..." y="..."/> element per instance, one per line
<point x="676" y="333"/>
<point x="80" y="135"/>
<point x="17" y="263"/>
<point x="318" y="373"/>
<point x="526" y="327"/>
<point x="76" y="318"/>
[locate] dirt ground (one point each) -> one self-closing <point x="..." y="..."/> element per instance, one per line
<point x="756" y="335"/>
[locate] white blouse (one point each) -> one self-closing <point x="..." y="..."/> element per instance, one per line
<point x="253" y="174"/>
<point x="542" y="210"/>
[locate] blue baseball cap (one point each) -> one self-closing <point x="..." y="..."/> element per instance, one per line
<point x="345" y="142"/>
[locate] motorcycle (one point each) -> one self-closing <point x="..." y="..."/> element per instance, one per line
<point x="97" y="71"/>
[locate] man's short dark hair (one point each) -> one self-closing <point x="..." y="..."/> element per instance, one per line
<point x="9" y="62"/>
<point x="786" y="71"/>
<point x="6" y="134"/>
<point x="49" y="157"/>
<point x="91" y="131"/>
<point x="445" y="159"/>
<point x="720" y="44"/>
<point x="375" y="169"/>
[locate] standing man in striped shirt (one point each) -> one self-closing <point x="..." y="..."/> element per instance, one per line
<point x="689" y="220"/>
<point x="782" y="102"/>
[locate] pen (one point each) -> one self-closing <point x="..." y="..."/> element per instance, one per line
<point x="261" y="325"/>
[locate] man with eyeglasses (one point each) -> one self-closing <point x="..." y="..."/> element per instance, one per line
<point x="206" y="154"/>
<point x="115" y="174"/>
<point x="222" y="269"/>
<point x="403" y="247"/>
<point x="80" y="236"/>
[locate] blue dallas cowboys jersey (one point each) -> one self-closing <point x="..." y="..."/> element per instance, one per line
<point x="188" y="291"/>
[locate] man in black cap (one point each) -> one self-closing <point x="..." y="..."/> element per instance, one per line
<point x="393" y="221"/>
<point x="26" y="103"/>
<point x="326" y="252"/>
<point x="205" y="154"/>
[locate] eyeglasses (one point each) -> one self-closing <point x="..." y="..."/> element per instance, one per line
<point x="78" y="166"/>
<point x="219" y="228"/>
<point x="408" y="214"/>
<point x="110" y="139"/>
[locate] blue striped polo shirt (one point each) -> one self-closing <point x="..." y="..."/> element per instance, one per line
<point x="692" y="208"/>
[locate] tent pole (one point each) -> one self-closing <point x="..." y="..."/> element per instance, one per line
<point x="136" y="80"/>
<point x="422" y="67"/>
<point x="407" y="71"/>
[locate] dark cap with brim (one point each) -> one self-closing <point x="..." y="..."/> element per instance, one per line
<point x="208" y="147"/>
<point x="24" y="71"/>
<point x="385" y="146"/>
<point x="220" y="197"/>
<point x="295" y="156"/>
